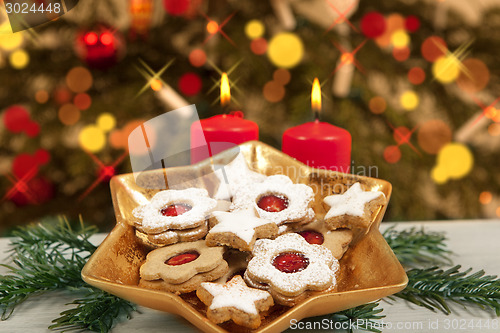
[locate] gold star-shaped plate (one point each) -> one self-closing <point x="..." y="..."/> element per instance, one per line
<point x="369" y="270"/>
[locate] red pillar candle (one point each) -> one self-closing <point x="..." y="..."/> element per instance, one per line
<point x="319" y="144"/>
<point x="218" y="133"/>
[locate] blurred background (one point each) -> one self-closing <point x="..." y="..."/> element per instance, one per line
<point x="415" y="82"/>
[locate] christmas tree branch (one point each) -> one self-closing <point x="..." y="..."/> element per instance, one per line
<point x="50" y="256"/>
<point x="434" y="288"/>
<point x="416" y="246"/>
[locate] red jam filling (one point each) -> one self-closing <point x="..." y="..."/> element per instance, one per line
<point x="175" y="210"/>
<point x="290" y="262"/>
<point x="182" y="258"/>
<point x="273" y="203"/>
<point x="312" y="237"/>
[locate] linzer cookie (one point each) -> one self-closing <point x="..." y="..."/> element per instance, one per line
<point x="233" y="176"/>
<point x="174" y="216"/>
<point x="336" y="241"/>
<point x="277" y="199"/>
<point x="289" y="266"/>
<point x="234" y="301"/>
<point x="180" y="268"/>
<point x="354" y="209"/>
<point x="239" y="230"/>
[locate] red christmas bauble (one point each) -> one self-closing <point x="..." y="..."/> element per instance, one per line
<point x="373" y="25"/>
<point x="176" y="7"/>
<point x="100" y="49"/>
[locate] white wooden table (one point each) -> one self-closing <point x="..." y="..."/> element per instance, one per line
<point x="474" y="243"/>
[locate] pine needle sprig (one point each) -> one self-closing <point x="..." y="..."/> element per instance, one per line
<point x="417" y="246"/>
<point x="96" y="311"/>
<point x="50" y="256"/>
<point x="364" y="316"/>
<point x="434" y="288"/>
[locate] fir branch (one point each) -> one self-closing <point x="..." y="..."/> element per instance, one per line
<point x="363" y="317"/>
<point x="434" y="288"/>
<point x="49" y="257"/>
<point x="413" y="246"/>
<point x="96" y="311"/>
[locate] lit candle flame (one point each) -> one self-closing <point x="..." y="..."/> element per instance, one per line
<point x="225" y="92"/>
<point x="316" y="96"/>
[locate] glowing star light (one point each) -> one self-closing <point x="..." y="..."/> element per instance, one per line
<point x="341" y="16"/>
<point x="154" y="80"/>
<point x="348" y="57"/>
<point x="213" y="28"/>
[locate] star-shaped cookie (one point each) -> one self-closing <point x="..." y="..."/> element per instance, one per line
<point x="234" y="301"/>
<point x="234" y="175"/>
<point x="239" y="230"/>
<point x="353" y="209"/>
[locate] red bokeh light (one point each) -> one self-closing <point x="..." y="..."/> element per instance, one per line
<point x="106" y="38"/>
<point x="90" y="38"/>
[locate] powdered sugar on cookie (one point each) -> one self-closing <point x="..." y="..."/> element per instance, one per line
<point x="352" y="202"/>
<point x="317" y="273"/>
<point x="239" y="223"/>
<point x="151" y="219"/>
<point x="235" y="293"/>
<point x="293" y="198"/>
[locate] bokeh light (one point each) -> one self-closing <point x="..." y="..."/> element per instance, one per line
<point x="497" y="211"/>
<point x="412" y="23"/>
<point x="68" y="114"/>
<point x="119" y="138"/>
<point x="273" y="91"/>
<point x="409" y="100"/>
<point x="392" y="154"/>
<point x="197" y="57"/>
<point x="402" y="135"/>
<point x="155" y="84"/>
<point x="454" y="161"/>
<point x="377" y="104"/>
<point x="474" y="77"/>
<point x="258" y="46"/>
<point x="190" y="84"/>
<point x="92" y="138"/>
<point x="282" y="76"/>
<point x="10" y="41"/>
<point x="393" y="22"/>
<point x="285" y="50"/>
<point x="41" y="96"/>
<point x="82" y="101"/>
<point x="446" y="69"/>
<point x="106" y="122"/>
<point x="212" y="27"/>
<point x="62" y="95"/>
<point x="416" y="75"/>
<point x="401" y="54"/>
<point x="485" y="197"/>
<point x="373" y="25"/>
<point x="254" y="29"/>
<point x="433" y="48"/>
<point x="176" y="7"/>
<point x="433" y="135"/>
<point x="400" y="38"/>
<point x="79" y="79"/>
<point x="19" y="59"/>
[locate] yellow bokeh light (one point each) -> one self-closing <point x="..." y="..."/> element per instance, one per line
<point x="254" y="29"/>
<point x="92" y="138"/>
<point x="106" y="122"/>
<point x="439" y="175"/>
<point x="454" y="161"/>
<point x="19" y="59"/>
<point x="400" y="39"/>
<point x="409" y="100"/>
<point x="156" y="84"/>
<point x="285" y="50"/>
<point x="446" y="69"/>
<point x="10" y="41"/>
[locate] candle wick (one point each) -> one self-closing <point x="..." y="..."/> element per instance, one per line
<point x="316" y="115"/>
